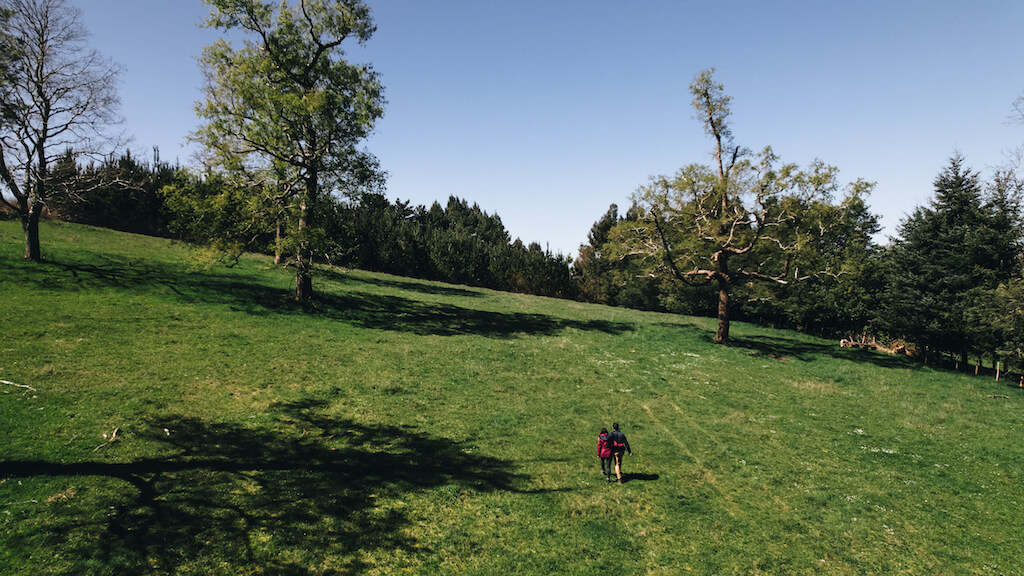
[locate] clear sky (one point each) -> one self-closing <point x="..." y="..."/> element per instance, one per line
<point x="548" y="111"/>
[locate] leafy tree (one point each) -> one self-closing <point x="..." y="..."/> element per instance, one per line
<point x="842" y="303"/>
<point x="609" y="271"/>
<point x="1008" y="322"/>
<point x="284" y="113"/>
<point x="56" y="98"/>
<point x="744" y="219"/>
<point x="218" y="215"/>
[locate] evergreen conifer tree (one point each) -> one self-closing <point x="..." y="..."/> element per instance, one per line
<point x="949" y="258"/>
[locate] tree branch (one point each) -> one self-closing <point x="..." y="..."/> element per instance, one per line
<point x="17" y="385"/>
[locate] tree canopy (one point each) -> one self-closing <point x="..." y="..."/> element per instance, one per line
<point x="745" y="218"/>
<point x="284" y="113"/>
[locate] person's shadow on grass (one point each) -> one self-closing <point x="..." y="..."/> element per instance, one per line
<point x="629" y="477"/>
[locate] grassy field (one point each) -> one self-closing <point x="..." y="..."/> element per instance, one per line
<point x="399" y="426"/>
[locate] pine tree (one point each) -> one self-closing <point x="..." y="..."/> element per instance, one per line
<point x="592" y="266"/>
<point x="949" y="258"/>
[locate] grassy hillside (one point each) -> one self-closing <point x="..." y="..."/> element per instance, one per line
<point x="398" y="426"/>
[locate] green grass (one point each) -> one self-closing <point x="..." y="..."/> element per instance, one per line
<point x="399" y="426"/>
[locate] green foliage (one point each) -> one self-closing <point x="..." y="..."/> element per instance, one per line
<point x="948" y="260"/>
<point x="220" y="218"/>
<point x="457" y="243"/>
<point x="285" y="113"/>
<point x="844" y="299"/>
<point x="121" y="193"/>
<point x="623" y="275"/>
<point x="593" y="265"/>
<point x="744" y="220"/>
<point x="406" y="426"/>
<point x="1005" y="317"/>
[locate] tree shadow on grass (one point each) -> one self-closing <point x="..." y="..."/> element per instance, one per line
<point x="785" y="348"/>
<point x="248" y="294"/>
<point x="406" y="315"/>
<point x="314" y="495"/>
<point x="398" y="283"/>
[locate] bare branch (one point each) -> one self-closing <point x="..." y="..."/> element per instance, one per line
<point x="8" y="382"/>
<point x="59" y="96"/>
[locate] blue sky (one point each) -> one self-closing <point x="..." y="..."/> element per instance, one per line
<point x="548" y="111"/>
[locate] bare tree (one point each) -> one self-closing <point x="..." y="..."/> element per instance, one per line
<point x="57" y="95"/>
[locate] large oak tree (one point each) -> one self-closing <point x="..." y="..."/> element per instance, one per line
<point x="745" y="218"/>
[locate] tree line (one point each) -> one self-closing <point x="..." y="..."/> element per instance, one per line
<point x="281" y="169"/>
<point x="949" y="287"/>
<point x="457" y="242"/>
<point x="753" y="238"/>
<point x="746" y="237"/>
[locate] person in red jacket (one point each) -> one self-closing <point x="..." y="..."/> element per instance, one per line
<point x="604" y="452"/>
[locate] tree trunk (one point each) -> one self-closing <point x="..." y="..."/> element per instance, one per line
<point x="303" y="260"/>
<point x="30" y="224"/>
<point x="304" y="253"/>
<point x="722" y="336"/>
<point x="35" y="210"/>
<point x="277" y="243"/>
<point x="303" y="279"/>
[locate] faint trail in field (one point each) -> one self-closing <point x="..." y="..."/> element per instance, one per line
<point x="732" y="507"/>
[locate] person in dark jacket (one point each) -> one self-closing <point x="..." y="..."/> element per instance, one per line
<point x="620" y="446"/>
<point x="604" y="452"/>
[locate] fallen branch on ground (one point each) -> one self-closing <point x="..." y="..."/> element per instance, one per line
<point x="109" y="440"/>
<point x="18" y="385"/>
<point x="997" y="396"/>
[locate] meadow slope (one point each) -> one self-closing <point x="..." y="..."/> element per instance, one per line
<point x="400" y="426"/>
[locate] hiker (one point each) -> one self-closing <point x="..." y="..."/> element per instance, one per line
<point x="619" y="446"/>
<point x="604" y="452"/>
